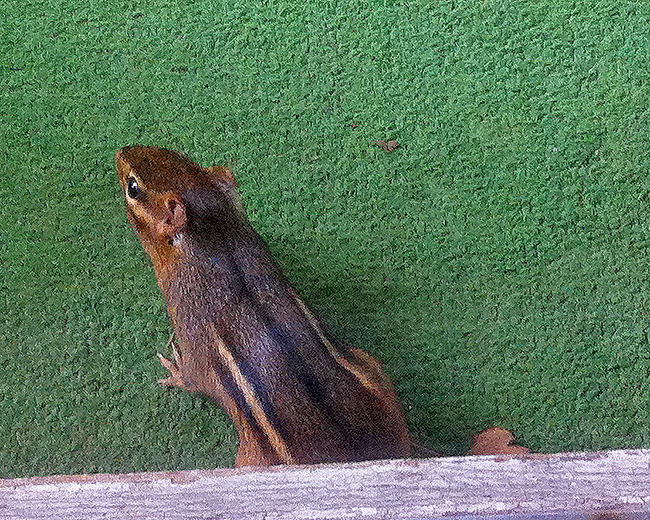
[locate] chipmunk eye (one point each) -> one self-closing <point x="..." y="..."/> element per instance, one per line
<point x="132" y="188"/>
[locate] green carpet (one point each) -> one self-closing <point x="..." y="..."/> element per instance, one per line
<point x="497" y="262"/>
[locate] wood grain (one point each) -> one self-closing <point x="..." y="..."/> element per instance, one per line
<point x="603" y="485"/>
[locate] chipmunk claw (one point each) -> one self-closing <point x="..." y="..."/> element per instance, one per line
<point x="176" y="378"/>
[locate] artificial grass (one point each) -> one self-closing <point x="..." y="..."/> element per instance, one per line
<point x="497" y="263"/>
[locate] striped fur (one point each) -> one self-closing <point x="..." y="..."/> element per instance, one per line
<point x="245" y="338"/>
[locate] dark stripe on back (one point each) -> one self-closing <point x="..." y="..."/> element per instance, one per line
<point x="234" y="237"/>
<point x="297" y="364"/>
<point x="233" y="389"/>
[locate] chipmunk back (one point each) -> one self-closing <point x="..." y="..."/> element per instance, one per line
<point x="245" y="338"/>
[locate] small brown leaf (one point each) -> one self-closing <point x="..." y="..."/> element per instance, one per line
<point x="496" y="441"/>
<point x="388" y="146"/>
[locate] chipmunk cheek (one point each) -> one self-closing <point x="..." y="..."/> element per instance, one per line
<point x="173" y="218"/>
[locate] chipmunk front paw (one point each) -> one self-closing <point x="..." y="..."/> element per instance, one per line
<point x="176" y="378"/>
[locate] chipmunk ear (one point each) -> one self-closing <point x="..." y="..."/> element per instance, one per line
<point x="174" y="216"/>
<point x="223" y="174"/>
<point x="229" y="186"/>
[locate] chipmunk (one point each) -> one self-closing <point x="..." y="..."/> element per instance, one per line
<point x="245" y="338"/>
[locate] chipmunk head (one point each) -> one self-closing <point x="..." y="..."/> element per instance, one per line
<point x="163" y="189"/>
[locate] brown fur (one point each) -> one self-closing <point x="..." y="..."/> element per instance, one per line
<point x="245" y="339"/>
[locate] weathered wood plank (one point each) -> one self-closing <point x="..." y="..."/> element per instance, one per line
<point x="531" y="487"/>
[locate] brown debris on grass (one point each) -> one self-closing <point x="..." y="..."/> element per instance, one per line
<point x="496" y="441"/>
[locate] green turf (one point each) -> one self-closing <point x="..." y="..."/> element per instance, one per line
<point x="497" y="262"/>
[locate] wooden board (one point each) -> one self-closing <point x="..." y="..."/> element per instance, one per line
<point x="604" y="485"/>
